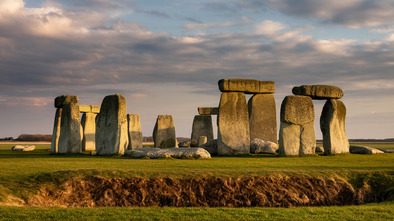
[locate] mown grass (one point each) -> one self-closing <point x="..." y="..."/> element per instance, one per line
<point x="23" y="173"/>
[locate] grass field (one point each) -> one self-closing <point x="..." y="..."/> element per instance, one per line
<point x="22" y="172"/>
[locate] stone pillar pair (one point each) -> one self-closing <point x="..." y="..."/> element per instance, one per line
<point x="88" y="122"/>
<point x="297" y="136"/>
<point x="239" y="121"/>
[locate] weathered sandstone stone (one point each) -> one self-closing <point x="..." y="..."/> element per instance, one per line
<point x="56" y="131"/>
<point x="260" y="146"/>
<point x="233" y="124"/>
<point x="319" y="91"/>
<point x="135" y="133"/>
<point x="248" y="86"/>
<point x="23" y="148"/>
<point x="211" y="147"/>
<point x="332" y="125"/>
<point x="186" y="143"/>
<point x="70" y="130"/>
<point x="111" y="126"/>
<point x="364" y="150"/>
<point x="168" y="152"/>
<point x="60" y="101"/>
<point x="262" y="117"/>
<point x="202" y="126"/>
<point x="164" y="132"/>
<point x="297" y="133"/>
<point x="208" y="110"/>
<point x="89" y="109"/>
<point x="88" y="122"/>
<point x="202" y="140"/>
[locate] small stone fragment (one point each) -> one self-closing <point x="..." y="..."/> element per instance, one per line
<point x="260" y="146"/>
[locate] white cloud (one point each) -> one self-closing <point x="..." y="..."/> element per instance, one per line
<point x="269" y="28"/>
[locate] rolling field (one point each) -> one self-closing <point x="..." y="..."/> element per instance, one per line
<point x="22" y="174"/>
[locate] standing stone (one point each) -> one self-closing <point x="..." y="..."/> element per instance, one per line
<point x="88" y="122"/>
<point x="233" y="124"/>
<point x="202" y="126"/>
<point x="135" y="133"/>
<point x="262" y="117"/>
<point x="332" y="125"/>
<point x="56" y="131"/>
<point x="297" y="133"/>
<point x="60" y="101"/>
<point x="70" y="130"/>
<point x="164" y="132"/>
<point x="111" y="126"/>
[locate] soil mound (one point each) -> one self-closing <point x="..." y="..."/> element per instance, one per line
<point x="270" y="191"/>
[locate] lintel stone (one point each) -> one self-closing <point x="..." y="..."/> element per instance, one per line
<point x="60" y="101"/>
<point x="208" y="110"/>
<point x="319" y="92"/>
<point x="89" y="109"/>
<point x="248" y="86"/>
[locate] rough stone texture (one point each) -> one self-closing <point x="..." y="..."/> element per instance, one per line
<point x="260" y="146"/>
<point x="297" y="133"/>
<point x="89" y="109"/>
<point x="65" y="99"/>
<point x="202" y="140"/>
<point x="168" y="152"/>
<point x="319" y="149"/>
<point x="332" y="125"/>
<point x="202" y="126"/>
<point x="56" y="131"/>
<point x="233" y="124"/>
<point x="135" y="133"/>
<point x="164" y="132"/>
<point x="319" y="92"/>
<point x="23" y="148"/>
<point x="185" y="143"/>
<point x="111" y="126"/>
<point x="88" y="122"/>
<point x="70" y="130"/>
<point x="208" y="110"/>
<point x="364" y="150"/>
<point x="248" y="86"/>
<point x="262" y="117"/>
<point x="211" y="147"/>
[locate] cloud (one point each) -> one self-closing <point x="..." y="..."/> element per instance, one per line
<point x="202" y="26"/>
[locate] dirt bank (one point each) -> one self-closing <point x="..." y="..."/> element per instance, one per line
<point x="270" y="191"/>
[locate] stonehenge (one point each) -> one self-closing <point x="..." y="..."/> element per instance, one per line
<point x="243" y="127"/>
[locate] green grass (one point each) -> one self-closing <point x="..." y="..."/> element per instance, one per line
<point x="22" y="173"/>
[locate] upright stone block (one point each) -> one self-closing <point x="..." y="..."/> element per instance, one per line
<point x="88" y="122"/>
<point x="262" y="117"/>
<point x="135" y="133"/>
<point x="56" y="131"/>
<point x="164" y="132"/>
<point x="111" y="126"/>
<point x="247" y="86"/>
<point x="233" y="124"/>
<point x="202" y="126"/>
<point x="332" y="125"/>
<point x="297" y="133"/>
<point x="319" y="92"/>
<point x="70" y="130"/>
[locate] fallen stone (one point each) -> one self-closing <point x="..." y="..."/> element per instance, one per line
<point x="262" y="117"/>
<point x="60" y="101"/>
<point x="319" y="149"/>
<point x="260" y="146"/>
<point x="247" y="86"/>
<point x="332" y="125"/>
<point x="111" y="126"/>
<point x="135" y="132"/>
<point x="202" y="126"/>
<point x="164" y="132"/>
<point x="173" y="152"/>
<point x="23" y="148"/>
<point x="88" y="122"/>
<point x="233" y="124"/>
<point x="387" y="150"/>
<point x="208" y="110"/>
<point x="319" y="92"/>
<point x="364" y="150"/>
<point x="211" y="147"/>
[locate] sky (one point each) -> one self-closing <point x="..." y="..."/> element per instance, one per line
<point x="166" y="57"/>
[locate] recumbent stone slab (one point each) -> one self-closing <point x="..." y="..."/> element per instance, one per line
<point x="233" y="124"/>
<point x="332" y="125"/>
<point x="319" y="92"/>
<point x="111" y="126"/>
<point x="297" y="133"/>
<point x="88" y="122"/>
<point x="262" y="117"/>
<point x="208" y="110"/>
<point x="248" y="86"/>
<point x="202" y="126"/>
<point x="135" y="133"/>
<point x="164" y="132"/>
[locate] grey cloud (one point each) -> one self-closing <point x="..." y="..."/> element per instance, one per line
<point x="155" y="13"/>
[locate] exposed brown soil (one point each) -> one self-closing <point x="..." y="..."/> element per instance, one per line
<point x="271" y="191"/>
